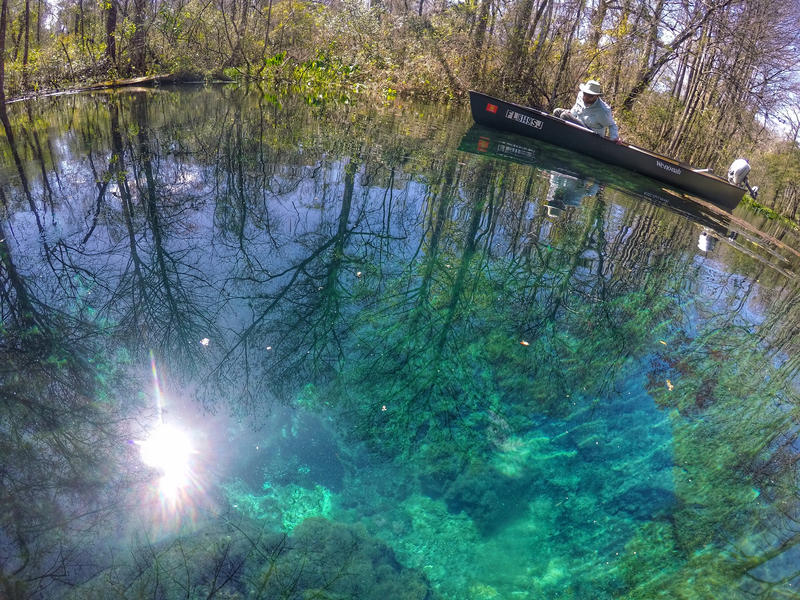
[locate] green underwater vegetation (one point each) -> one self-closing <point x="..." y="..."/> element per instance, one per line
<point x="284" y="507"/>
<point x="501" y="427"/>
<point x="403" y="376"/>
<point x="238" y="558"/>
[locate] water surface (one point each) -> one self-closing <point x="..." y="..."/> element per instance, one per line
<point x="267" y="348"/>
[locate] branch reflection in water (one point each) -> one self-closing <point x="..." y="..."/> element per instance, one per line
<point x="414" y="371"/>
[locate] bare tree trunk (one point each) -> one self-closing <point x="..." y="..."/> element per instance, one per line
<point x="17" y="41"/>
<point x="680" y="73"/>
<point x="598" y="16"/>
<point x="3" y="15"/>
<point x="536" y="18"/>
<point x="111" y="27"/>
<point x="236" y="57"/>
<point x="647" y="77"/>
<point x="566" y="54"/>
<point x="681" y="90"/>
<point x="243" y="21"/>
<point x="482" y="22"/>
<point x="545" y="15"/>
<point x="268" y="25"/>
<point x="524" y="30"/>
<point x="138" y="41"/>
<point x="652" y="39"/>
<point x="686" y="118"/>
<point x="238" y="54"/>
<point x="493" y="10"/>
<point x="26" y="25"/>
<point x="479" y="35"/>
<point x="694" y="93"/>
<point x="618" y="61"/>
<point x="518" y="37"/>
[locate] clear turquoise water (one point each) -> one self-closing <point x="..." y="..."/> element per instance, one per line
<point x="383" y="363"/>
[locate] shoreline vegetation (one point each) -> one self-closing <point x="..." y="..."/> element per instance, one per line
<point x="704" y="83"/>
<point x="146" y="81"/>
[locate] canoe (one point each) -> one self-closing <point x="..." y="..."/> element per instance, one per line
<point x="533" y="123"/>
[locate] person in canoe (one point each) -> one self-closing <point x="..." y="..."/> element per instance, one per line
<point x="590" y="111"/>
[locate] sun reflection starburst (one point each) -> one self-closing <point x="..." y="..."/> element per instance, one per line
<point x="169" y="450"/>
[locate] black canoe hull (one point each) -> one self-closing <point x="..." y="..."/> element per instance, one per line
<point x="507" y="116"/>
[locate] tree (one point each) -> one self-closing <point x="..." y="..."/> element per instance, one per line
<point x="646" y="77"/>
<point x="111" y="32"/>
<point x="138" y="42"/>
<point x="3" y="17"/>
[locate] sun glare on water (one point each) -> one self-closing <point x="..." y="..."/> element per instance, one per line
<point x="168" y="450"/>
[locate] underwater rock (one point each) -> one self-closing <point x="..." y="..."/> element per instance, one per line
<point x="495" y="492"/>
<point x="642" y="502"/>
<point x="427" y="537"/>
<point x="491" y="499"/>
<point x="439" y="465"/>
<point x="340" y="561"/>
<point x="298" y="503"/>
<point x="238" y="558"/>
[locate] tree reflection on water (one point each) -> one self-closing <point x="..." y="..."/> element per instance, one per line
<point x="510" y="401"/>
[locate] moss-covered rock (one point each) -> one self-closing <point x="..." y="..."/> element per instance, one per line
<point x="336" y="561"/>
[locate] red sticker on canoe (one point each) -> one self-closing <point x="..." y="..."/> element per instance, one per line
<point x="483" y="144"/>
<point x="492" y="108"/>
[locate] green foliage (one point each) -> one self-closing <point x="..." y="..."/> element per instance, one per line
<point x="232" y="73"/>
<point x="276" y="60"/>
<point x="767" y="212"/>
<point x="778" y="176"/>
<point x="323" y="78"/>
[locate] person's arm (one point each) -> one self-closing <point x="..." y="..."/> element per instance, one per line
<point x="578" y="107"/>
<point x="613" y="130"/>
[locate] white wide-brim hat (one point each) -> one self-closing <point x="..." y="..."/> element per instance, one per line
<point x="592" y="87"/>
